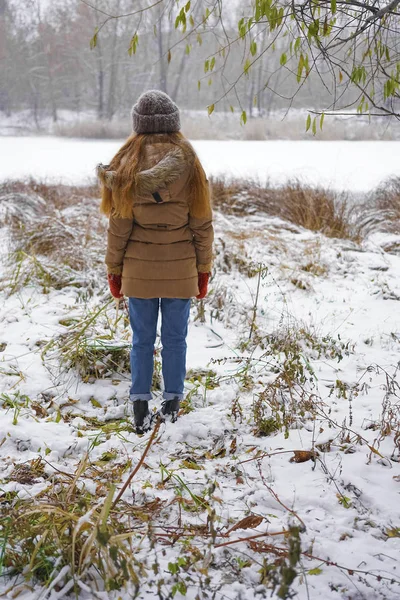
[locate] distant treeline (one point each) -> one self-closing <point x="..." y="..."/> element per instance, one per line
<point x="46" y="63"/>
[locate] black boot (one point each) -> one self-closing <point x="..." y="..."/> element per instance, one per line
<point x="170" y="408"/>
<point x="141" y="415"/>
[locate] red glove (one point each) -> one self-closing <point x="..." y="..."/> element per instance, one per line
<point x="203" y="285"/>
<point x="114" y="282"/>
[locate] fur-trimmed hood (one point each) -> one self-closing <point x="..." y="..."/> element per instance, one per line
<point x="154" y="168"/>
<point x="163" y="164"/>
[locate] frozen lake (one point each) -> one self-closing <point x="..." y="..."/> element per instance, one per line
<point x="353" y="166"/>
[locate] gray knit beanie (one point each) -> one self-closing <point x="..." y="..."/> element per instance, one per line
<point x="155" y="112"/>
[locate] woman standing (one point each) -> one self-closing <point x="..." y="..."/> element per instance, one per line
<point x="159" y="249"/>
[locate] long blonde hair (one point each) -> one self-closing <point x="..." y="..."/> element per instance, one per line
<point x="118" y="198"/>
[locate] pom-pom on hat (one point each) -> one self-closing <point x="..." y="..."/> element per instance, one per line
<point x="155" y="112"/>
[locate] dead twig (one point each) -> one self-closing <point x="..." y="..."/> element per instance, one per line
<point x="275" y="495"/>
<point x="252" y="537"/>
<point x="136" y="469"/>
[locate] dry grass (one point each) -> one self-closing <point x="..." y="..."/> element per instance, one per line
<point x="386" y="202"/>
<point x="101" y="129"/>
<point x="56" y="195"/>
<point x="56" y="234"/>
<point x="315" y="209"/>
<point x="60" y="221"/>
<point x="318" y="209"/>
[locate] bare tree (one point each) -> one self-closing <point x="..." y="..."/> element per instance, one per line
<point x="352" y="47"/>
<point x="329" y="56"/>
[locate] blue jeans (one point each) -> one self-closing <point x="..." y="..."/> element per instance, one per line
<point x="143" y="315"/>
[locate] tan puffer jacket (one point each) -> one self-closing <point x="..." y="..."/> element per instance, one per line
<point x="161" y="250"/>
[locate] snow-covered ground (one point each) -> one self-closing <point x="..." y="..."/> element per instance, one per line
<point x="318" y="374"/>
<point x="349" y="166"/>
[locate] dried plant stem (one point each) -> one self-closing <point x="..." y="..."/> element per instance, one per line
<point x="330" y="563"/>
<point x="253" y="320"/>
<point x="141" y="461"/>
<point x="252" y="537"/>
<point x="275" y="495"/>
<point x="266" y="454"/>
<point x="80" y="470"/>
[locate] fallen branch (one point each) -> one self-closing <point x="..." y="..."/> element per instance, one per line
<point x="275" y="495"/>
<point x="136" y="469"/>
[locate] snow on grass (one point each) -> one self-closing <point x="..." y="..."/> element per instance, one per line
<point x="350" y="166"/>
<point x="291" y="421"/>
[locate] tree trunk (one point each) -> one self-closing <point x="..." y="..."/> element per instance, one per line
<point x="163" y="62"/>
<point x="251" y="94"/>
<point x="100" y="105"/>
<point x="183" y="62"/>
<point x="181" y="70"/>
<point x="113" y="67"/>
<point x="100" y="74"/>
<point x="163" y="69"/>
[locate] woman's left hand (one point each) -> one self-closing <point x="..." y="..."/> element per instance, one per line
<point x="114" y="283"/>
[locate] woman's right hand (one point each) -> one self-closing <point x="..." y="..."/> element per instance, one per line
<point x="114" y="283"/>
<point x="203" y="285"/>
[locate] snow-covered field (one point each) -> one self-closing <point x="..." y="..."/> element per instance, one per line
<point x="350" y="166"/>
<point x="292" y="420"/>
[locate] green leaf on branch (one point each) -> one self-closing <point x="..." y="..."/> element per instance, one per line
<point x="210" y="109"/>
<point x="358" y="74"/>
<point x="243" y="117"/>
<point x="212" y="63"/>
<point x="133" y="45"/>
<point x="316" y="571"/>
<point x="300" y="68"/>
<point x="308" y="122"/>
<point x="321" y="121"/>
<point x="247" y="66"/>
<point x="314" y="126"/>
<point x="181" y="20"/>
<point x="180" y="587"/>
<point x="93" y="41"/>
<point x="253" y="48"/>
<point x="344" y="500"/>
<point x="281" y="14"/>
<point x="306" y="64"/>
<point x="242" y="28"/>
<point x="333" y="6"/>
<point x="283" y="60"/>
<point x="313" y="29"/>
<point x="173" y="568"/>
